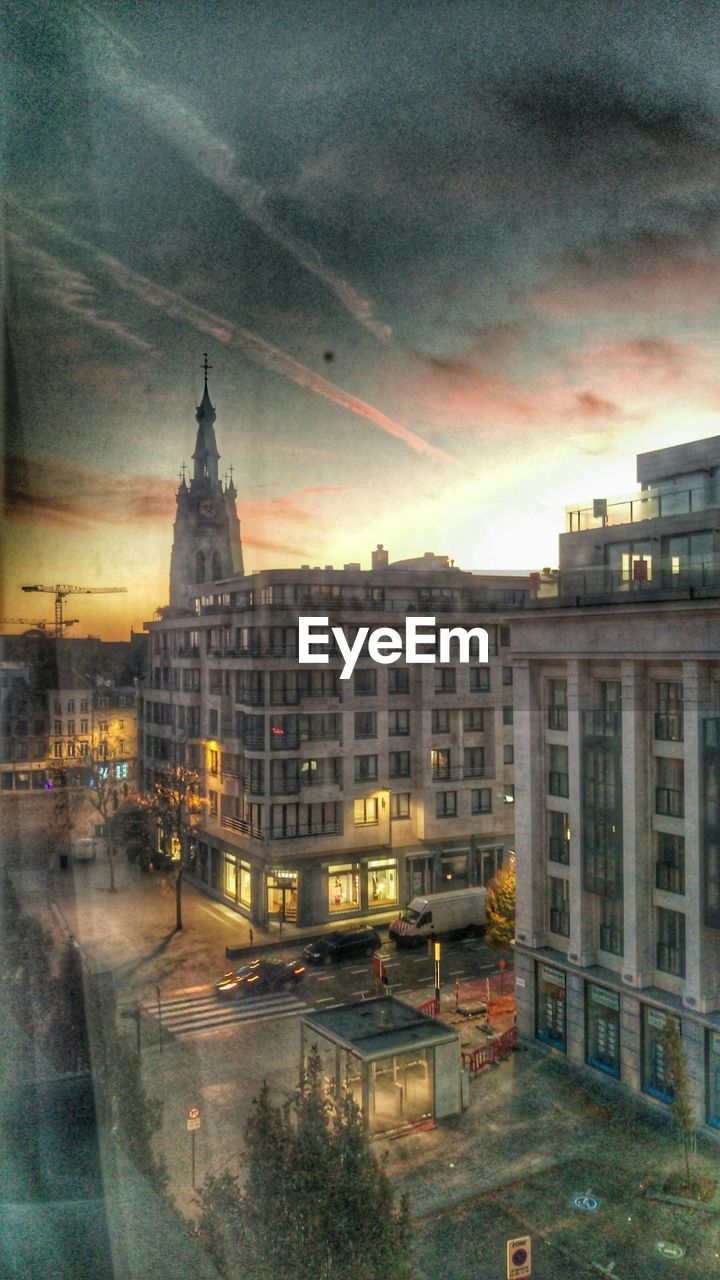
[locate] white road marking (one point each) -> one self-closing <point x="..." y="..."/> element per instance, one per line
<point x="457" y="973"/>
<point x="360" y="993"/>
<point x="328" y="977"/>
<point x="185" y="1015"/>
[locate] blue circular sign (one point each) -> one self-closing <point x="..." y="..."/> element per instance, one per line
<point x="587" y="1203"/>
<point x="519" y="1256"/>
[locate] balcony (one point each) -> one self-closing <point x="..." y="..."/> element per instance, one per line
<point x="458" y="773"/>
<point x="241" y="826"/>
<point x="646" y="505"/>
<point x="304" y="829"/>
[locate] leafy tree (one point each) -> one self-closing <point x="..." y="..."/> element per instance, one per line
<point x="176" y="802"/>
<point x="501" y="906"/>
<point x="316" y="1204"/>
<point x="681" y="1107"/>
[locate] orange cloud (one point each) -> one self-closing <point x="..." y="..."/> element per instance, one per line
<point x="58" y="493"/>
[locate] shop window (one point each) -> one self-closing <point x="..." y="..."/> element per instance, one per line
<point x="230" y="886"/>
<point x="400" y="804"/>
<point x="550" y="1016"/>
<point x="602" y="1029"/>
<point x="712" y="1075"/>
<point x="655" y="1076"/>
<point x="366" y="812"/>
<point x="343" y="888"/>
<point x="479" y="679"/>
<point x="382" y="883"/>
<point x="481" y="800"/>
<point x="454" y="870"/>
<point x="245" y="883"/>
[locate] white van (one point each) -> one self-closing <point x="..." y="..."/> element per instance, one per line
<point x="438" y="915"/>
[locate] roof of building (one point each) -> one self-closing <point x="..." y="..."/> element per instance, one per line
<point x="378" y="1027"/>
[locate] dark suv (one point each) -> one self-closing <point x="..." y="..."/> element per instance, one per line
<point x="343" y="942"/>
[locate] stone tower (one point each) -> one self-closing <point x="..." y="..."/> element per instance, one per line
<point x="206" y="537"/>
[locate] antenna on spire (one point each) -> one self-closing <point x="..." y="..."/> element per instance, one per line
<point x="181" y="477"/>
<point x="205" y="366"/>
<point x="230" y="472"/>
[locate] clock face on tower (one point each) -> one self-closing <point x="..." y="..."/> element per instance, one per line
<point x="207" y="509"/>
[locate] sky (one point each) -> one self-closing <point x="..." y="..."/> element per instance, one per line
<point x="454" y="266"/>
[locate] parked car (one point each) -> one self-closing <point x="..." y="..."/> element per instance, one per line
<point x="341" y="943"/>
<point x="266" y="974"/>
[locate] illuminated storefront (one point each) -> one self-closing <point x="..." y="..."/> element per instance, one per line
<point x="343" y="888"/>
<point x="401" y="1066"/>
<point x="238" y="881"/>
<point x="382" y="882"/>
<point x="282" y="894"/>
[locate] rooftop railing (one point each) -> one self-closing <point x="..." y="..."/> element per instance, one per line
<point x="650" y="504"/>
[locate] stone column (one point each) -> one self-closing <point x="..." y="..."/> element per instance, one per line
<point x="638" y="855"/>
<point x="702" y="945"/>
<point x="582" y="905"/>
<point x="531" y="912"/>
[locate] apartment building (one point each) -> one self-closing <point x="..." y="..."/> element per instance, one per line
<point x="325" y="798"/>
<point x="23" y="715"/>
<point x="617" y="724"/>
<point x="329" y="799"/>
<point x="92" y="723"/>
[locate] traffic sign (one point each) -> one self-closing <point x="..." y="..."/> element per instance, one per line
<point x="518" y="1254"/>
<point x="193" y="1118"/>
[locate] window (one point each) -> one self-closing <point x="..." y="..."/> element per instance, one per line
<point x="558" y="837"/>
<point x="440" y="721"/>
<point x="474" y="762"/>
<point x="557" y="704"/>
<point x="509" y="796"/>
<point x="671" y="942"/>
<point x="670" y="789"/>
<point x="213" y="760"/>
<point x="507" y="675"/>
<point x="550" y="1021"/>
<point x="398" y="724"/>
<point x="57" y="707"/>
<point x="366" y="724"/>
<point x="365" y="682"/>
<point x="343" y="888"/>
<point x="444" y="679"/>
<point x="398" y="680"/>
<point x="479" y="679"/>
<point x="103" y="726"/>
<point x="446" y="804"/>
<point x="71" y="748"/>
<point x="559" y="906"/>
<point x="213" y="722"/>
<point x="558" y="779"/>
<point x="440" y="765"/>
<point x="454" y="868"/>
<point x="473" y="718"/>
<point x="508" y="753"/>
<point x="58" y="726"/>
<point x="504" y="636"/>
<point x="400" y="804"/>
<point x="70" y="728"/>
<point x="71" y="705"/>
<point x="213" y="798"/>
<point x="57" y="750"/>
<point x="669" y="714"/>
<point x="507" y="715"/>
<point x="481" y="800"/>
<point x="121" y="771"/>
<point x="83" y="726"/>
<point x="83" y="705"/>
<point x="712" y="1075"/>
<point x="366" y="812"/>
<point x="399" y="764"/>
<point x="366" y="768"/>
<point x="611" y="926"/>
<point x="602" y="1029"/>
<point x="103" y="702"/>
<point x="656" y="1078"/>
<point x="670" y="862"/>
<point x="382" y="883"/>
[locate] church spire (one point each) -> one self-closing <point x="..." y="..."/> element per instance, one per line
<point x="206" y="454"/>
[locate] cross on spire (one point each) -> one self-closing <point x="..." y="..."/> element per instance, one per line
<point x="205" y="366"/>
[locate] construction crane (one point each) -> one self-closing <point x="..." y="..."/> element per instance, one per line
<point x="38" y="623"/>
<point x="60" y="592"/>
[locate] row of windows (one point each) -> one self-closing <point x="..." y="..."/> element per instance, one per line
<point x="669" y="929"/>
<point x="288" y="688"/>
<point x="102" y="726"/>
<point x="602" y="1025"/>
<point x="84" y="704"/>
<point x="668" y="717"/>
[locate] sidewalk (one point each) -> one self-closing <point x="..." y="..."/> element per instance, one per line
<point x="131" y="933"/>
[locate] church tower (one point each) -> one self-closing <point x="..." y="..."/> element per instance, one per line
<point x="206" y="538"/>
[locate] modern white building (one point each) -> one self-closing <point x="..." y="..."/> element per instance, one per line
<point x="617" y="755"/>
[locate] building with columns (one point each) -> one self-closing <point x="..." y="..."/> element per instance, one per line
<point x="617" y="755"/>
<point x="326" y="799"/>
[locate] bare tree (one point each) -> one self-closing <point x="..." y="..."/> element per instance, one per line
<point x="176" y="802"/>
<point x="93" y="783"/>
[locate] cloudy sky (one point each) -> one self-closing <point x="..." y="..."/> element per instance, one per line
<point x="454" y="266"/>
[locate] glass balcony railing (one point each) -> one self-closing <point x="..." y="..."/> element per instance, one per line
<point x="650" y="504"/>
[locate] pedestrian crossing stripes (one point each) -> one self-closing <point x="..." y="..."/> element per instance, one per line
<point x="192" y="1014"/>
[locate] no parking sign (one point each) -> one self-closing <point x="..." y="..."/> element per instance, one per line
<point x="519" y="1258"/>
